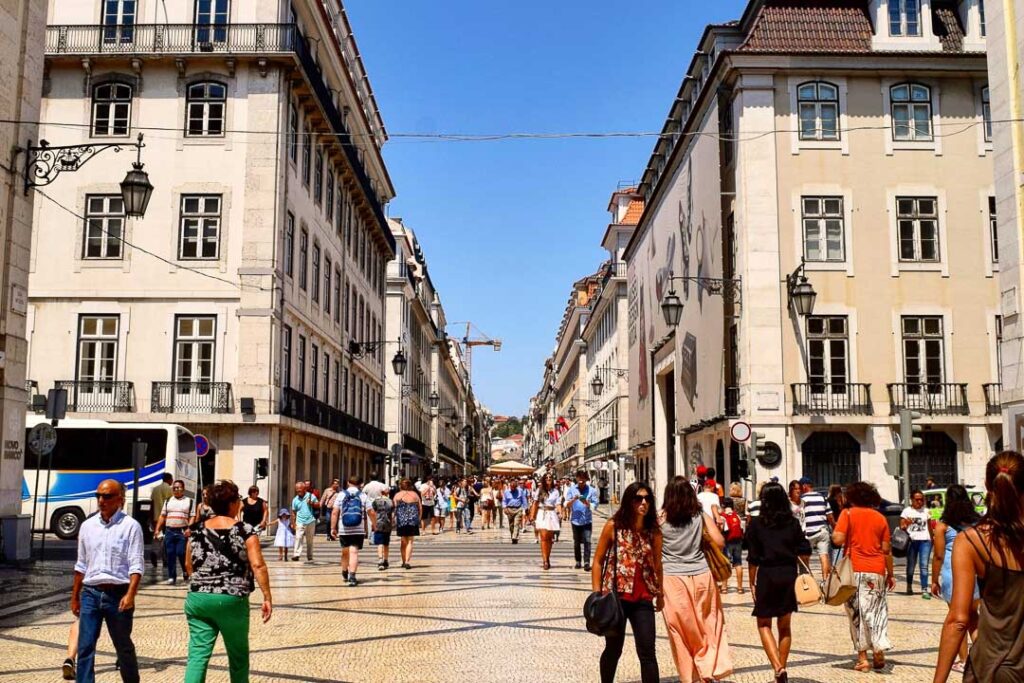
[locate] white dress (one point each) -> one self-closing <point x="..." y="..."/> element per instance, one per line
<point x="547" y="519"/>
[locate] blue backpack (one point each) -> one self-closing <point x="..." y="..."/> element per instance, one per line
<point x="351" y="510"/>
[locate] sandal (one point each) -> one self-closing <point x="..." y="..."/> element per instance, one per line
<point x="878" y="662"/>
<point x="863" y="666"/>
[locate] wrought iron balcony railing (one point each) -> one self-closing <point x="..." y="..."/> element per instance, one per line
<point x="100" y="396"/>
<point x="840" y="398"/>
<point x="319" y="414"/>
<point x="993" y="398"/>
<point x="191" y="397"/>
<point x="931" y="398"/>
<point x="134" y="39"/>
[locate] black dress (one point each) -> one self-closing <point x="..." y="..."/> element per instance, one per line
<point x="252" y="514"/>
<point x="774" y="552"/>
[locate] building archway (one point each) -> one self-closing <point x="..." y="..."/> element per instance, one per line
<point x="831" y="458"/>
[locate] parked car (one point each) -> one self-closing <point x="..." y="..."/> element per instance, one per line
<point x="935" y="499"/>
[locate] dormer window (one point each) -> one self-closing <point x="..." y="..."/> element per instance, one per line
<point x="904" y="17"/>
<point x="911" y="112"/>
<point x="819" y="111"/>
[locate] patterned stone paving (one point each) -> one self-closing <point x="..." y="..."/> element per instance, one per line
<point x="474" y="609"/>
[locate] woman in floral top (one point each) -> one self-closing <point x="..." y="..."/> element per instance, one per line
<point x="629" y="563"/>
<point x="222" y="560"/>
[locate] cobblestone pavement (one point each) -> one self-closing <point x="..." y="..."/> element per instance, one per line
<point x="474" y="609"/>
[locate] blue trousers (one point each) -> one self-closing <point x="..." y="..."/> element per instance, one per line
<point x="174" y="547"/>
<point x="100" y="606"/>
<point x="919" y="553"/>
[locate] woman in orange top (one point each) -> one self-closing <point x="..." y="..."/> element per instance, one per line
<point x="865" y="534"/>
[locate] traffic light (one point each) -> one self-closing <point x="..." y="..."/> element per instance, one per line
<point x="760" y="444"/>
<point x="909" y="430"/>
<point x="893" y="460"/>
<point x="262" y="468"/>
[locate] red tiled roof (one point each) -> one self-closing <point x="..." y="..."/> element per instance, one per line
<point x="946" y="25"/>
<point x="636" y="208"/>
<point x="810" y="26"/>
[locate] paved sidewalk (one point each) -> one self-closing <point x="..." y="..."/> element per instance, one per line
<point x="473" y="608"/>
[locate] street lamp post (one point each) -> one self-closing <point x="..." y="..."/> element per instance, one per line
<point x="672" y="305"/>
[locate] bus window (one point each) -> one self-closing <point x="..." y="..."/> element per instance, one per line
<point x="80" y="449"/>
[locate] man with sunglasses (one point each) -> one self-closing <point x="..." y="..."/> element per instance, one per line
<point x="175" y="517"/>
<point x="107" y="574"/>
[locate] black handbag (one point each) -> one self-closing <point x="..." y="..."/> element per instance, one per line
<point x="603" y="611"/>
<point x="900" y="542"/>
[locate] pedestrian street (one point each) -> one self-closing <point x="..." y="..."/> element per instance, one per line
<point x="472" y="608"/>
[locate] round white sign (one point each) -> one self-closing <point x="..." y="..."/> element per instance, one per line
<point x="740" y="432"/>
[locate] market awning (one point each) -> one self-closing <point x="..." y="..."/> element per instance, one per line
<point x="510" y="467"/>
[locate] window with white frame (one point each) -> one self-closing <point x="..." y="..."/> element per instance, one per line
<point x="315" y="294"/>
<point x="293" y="132"/>
<point x="119" y="21"/>
<point x="194" y="346"/>
<point x="818" y="104"/>
<point x="314" y="370"/>
<point x="337" y="296"/>
<point x="318" y="175"/>
<point x="986" y="114"/>
<point x="326" y="372"/>
<point x="904" y="17"/>
<point x="823" y="224"/>
<point x="328" y="272"/>
<point x="97" y="351"/>
<point x="199" y="233"/>
<point x="993" y="232"/>
<point x="911" y="109"/>
<point x="104" y="226"/>
<point x="981" y="15"/>
<point x="828" y="353"/>
<point x="307" y="141"/>
<point x="286" y="356"/>
<point x="289" y="244"/>
<point x="211" y="18"/>
<point x="111" y="109"/>
<point x="205" y="103"/>
<point x="303" y="258"/>
<point x="302" y="364"/>
<point x="923" y="351"/>
<point x="917" y="225"/>
<point x="329" y="198"/>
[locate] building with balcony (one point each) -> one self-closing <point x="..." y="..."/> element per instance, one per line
<point x="606" y="454"/>
<point x="821" y="133"/>
<point x="248" y="304"/>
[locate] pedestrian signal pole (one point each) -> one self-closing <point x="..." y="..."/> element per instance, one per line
<point x="910" y="436"/>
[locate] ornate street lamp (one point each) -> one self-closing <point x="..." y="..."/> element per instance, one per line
<point x="672" y="308"/>
<point x="597" y="386"/>
<point x="435" y="400"/>
<point x="399" y="363"/>
<point x="801" y="292"/>
<point x="572" y="412"/>
<point x="672" y="305"/>
<point x="136" y="188"/>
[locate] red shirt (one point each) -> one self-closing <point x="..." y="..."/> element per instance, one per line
<point x="865" y="530"/>
<point x="640" y="591"/>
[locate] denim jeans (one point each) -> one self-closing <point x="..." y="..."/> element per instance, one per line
<point x="174" y="549"/>
<point x="100" y="606"/>
<point x="581" y="541"/>
<point x="919" y="553"/>
<point x="640" y="615"/>
<point x="467" y="517"/>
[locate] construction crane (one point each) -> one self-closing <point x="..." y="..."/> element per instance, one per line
<point x="469" y="342"/>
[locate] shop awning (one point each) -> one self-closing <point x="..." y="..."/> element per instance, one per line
<point x="510" y="467"/>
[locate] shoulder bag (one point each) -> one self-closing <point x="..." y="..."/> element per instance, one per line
<point x="807" y="590"/>
<point x="603" y="611"/>
<point x="718" y="563"/>
<point x="840" y="585"/>
<point x="900" y="542"/>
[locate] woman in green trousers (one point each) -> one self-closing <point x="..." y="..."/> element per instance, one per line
<point x="222" y="560"/>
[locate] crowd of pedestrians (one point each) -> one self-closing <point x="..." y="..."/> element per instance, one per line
<point x="676" y="559"/>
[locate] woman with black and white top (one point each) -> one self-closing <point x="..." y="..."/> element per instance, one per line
<point x="223" y="558"/>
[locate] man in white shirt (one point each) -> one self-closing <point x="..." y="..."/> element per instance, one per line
<point x="709" y="500"/>
<point x="107" y="574"/>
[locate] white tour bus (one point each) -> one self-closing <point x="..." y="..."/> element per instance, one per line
<point x="89" y="451"/>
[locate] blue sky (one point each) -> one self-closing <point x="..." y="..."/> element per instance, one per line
<point x="508" y="226"/>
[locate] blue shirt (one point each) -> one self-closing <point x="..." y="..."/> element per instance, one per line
<point x="514" y="499"/>
<point x="109" y="552"/>
<point x="581" y="514"/>
<point x="303" y="509"/>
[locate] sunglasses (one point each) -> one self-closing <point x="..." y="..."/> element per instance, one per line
<point x="643" y="499"/>
<point x="106" y="496"/>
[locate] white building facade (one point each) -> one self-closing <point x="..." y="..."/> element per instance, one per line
<point x="248" y="304"/>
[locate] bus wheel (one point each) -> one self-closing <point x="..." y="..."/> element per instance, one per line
<point x="66" y="523"/>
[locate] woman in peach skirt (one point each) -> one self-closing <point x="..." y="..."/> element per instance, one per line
<point x="693" y="605"/>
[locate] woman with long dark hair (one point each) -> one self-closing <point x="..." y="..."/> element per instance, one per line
<point x="544" y="515"/>
<point x="776" y="543"/>
<point x="693" y="606"/>
<point x="958" y="514"/>
<point x="629" y="562"/>
<point x="864" y="532"/>
<point x="991" y="553"/>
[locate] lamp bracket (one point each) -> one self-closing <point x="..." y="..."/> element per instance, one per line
<point x="729" y="288"/>
<point x="798" y="276"/>
<point x="43" y="163"/>
<point x="407" y="389"/>
<point x="359" y="349"/>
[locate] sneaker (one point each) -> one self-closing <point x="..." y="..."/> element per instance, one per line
<point x="170" y="582"/>
<point x="926" y="596"/>
<point x="352" y="583"/>
<point x="578" y="565"/>
<point x="68" y="669"/>
<point x="344" y="574"/>
<point x="406" y="565"/>
<point x="586" y="567"/>
<point x="387" y="565"/>
<point x="381" y="566"/>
